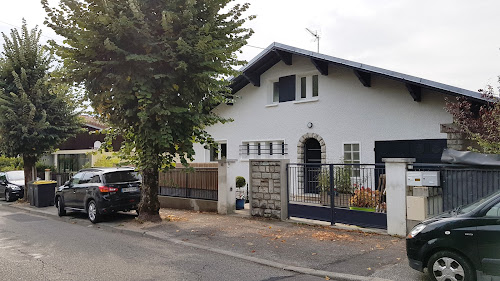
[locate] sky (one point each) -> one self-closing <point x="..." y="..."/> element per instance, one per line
<point x="454" y="42"/>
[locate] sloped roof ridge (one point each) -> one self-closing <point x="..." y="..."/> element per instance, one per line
<point x="365" y="67"/>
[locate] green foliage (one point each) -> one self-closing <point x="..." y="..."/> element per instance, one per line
<point x="36" y="114"/>
<point x="153" y="70"/>
<point x="240" y="181"/>
<point x="342" y="179"/>
<point x="41" y="167"/>
<point x="323" y="179"/>
<point x="10" y="163"/>
<point x="107" y="161"/>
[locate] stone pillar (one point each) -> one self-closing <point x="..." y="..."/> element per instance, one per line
<point x="268" y="188"/>
<point x="455" y="139"/>
<point x="395" y="170"/>
<point x="226" y="200"/>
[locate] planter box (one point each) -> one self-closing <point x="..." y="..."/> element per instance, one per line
<point x="363" y="209"/>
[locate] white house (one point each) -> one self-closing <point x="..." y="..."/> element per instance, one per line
<point x="313" y="108"/>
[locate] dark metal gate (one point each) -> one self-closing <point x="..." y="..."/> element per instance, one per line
<point x="339" y="193"/>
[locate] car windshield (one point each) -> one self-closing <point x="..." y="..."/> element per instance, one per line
<point x="121" y="176"/>
<point x="15" y="175"/>
<point x="467" y="208"/>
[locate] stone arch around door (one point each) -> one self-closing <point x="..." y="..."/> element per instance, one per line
<point x="301" y="147"/>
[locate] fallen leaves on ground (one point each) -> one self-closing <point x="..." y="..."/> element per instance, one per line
<point x="328" y="235"/>
<point x="166" y="217"/>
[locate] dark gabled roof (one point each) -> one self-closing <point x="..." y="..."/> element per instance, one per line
<point x="277" y="52"/>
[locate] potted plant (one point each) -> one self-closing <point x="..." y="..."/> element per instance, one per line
<point x="240" y="195"/>
<point x="342" y="176"/>
<point x="323" y="179"/>
<point x="365" y="199"/>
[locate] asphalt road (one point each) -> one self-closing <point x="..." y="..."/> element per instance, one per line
<point x="39" y="248"/>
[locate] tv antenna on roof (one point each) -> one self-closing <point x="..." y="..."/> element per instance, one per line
<point x="315" y="34"/>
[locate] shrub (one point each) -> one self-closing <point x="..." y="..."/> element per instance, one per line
<point x="10" y="163"/>
<point x="365" y="198"/>
<point x="240" y="181"/>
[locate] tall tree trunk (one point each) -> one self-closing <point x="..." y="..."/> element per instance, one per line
<point x="149" y="207"/>
<point x="29" y="173"/>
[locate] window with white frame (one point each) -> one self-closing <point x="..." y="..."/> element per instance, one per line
<point x="315" y="85"/>
<point x="263" y="149"/>
<point x="218" y="152"/>
<point x="352" y="156"/>
<point x="308" y="87"/>
<point x="293" y="87"/>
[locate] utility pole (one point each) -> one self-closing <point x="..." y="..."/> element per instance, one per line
<point x="315" y="34"/>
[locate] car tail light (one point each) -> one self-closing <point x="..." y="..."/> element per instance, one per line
<point x="104" y="189"/>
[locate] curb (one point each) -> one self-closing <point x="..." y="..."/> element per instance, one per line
<point x="297" y="269"/>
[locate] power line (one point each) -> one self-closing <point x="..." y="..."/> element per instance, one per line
<point x="13" y="25"/>
<point x="255" y="47"/>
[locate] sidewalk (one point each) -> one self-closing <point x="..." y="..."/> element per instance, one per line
<point x="317" y="250"/>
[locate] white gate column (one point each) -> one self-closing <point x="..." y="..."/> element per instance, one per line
<point x="395" y="170"/>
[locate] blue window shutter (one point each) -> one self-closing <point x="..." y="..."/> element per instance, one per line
<point x="287" y="88"/>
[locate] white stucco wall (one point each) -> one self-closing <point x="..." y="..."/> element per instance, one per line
<point x="344" y="112"/>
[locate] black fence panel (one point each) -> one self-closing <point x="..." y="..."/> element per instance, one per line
<point x="462" y="184"/>
<point x="465" y="186"/>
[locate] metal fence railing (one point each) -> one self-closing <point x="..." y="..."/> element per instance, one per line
<point x="197" y="183"/>
<point x="459" y="185"/>
<point x="352" y="186"/>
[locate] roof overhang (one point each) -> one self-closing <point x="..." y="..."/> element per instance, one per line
<point x="277" y="52"/>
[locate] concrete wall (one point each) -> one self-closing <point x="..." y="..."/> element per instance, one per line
<point x="188" y="204"/>
<point x="344" y="112"/>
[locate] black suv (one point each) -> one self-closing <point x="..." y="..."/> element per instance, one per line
<point x="100" y="191"/>
<point x="12" y="185"/>
<point x="463" y="244"/>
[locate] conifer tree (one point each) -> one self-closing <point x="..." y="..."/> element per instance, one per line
<point x="153" y="70"/>
<point x="36" y="114"/>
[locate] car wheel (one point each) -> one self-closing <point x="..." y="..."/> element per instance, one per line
<point x="60" y="207"/>
<point x="8" y="197"/>
<point x="446" y="265"/>
<point x="92" y="212"/>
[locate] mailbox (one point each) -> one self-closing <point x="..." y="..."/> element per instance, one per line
<point x="422" y="178"/>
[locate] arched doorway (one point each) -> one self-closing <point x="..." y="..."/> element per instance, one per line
<point x="312" y="159"/>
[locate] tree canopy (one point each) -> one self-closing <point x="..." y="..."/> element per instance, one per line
<point x="153" y="70"/>
<point x="36" y="114"/>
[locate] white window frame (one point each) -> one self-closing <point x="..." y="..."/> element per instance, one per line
<point x="219" y="156"/>
<point x="265" y="152"/>
<point x="356" y="172"/>
<point x="309" y="86"/>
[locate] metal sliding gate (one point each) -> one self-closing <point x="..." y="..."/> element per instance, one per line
<point x="339" y="193"/>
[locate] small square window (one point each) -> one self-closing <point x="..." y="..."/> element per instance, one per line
<point x="315" y="86"/>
